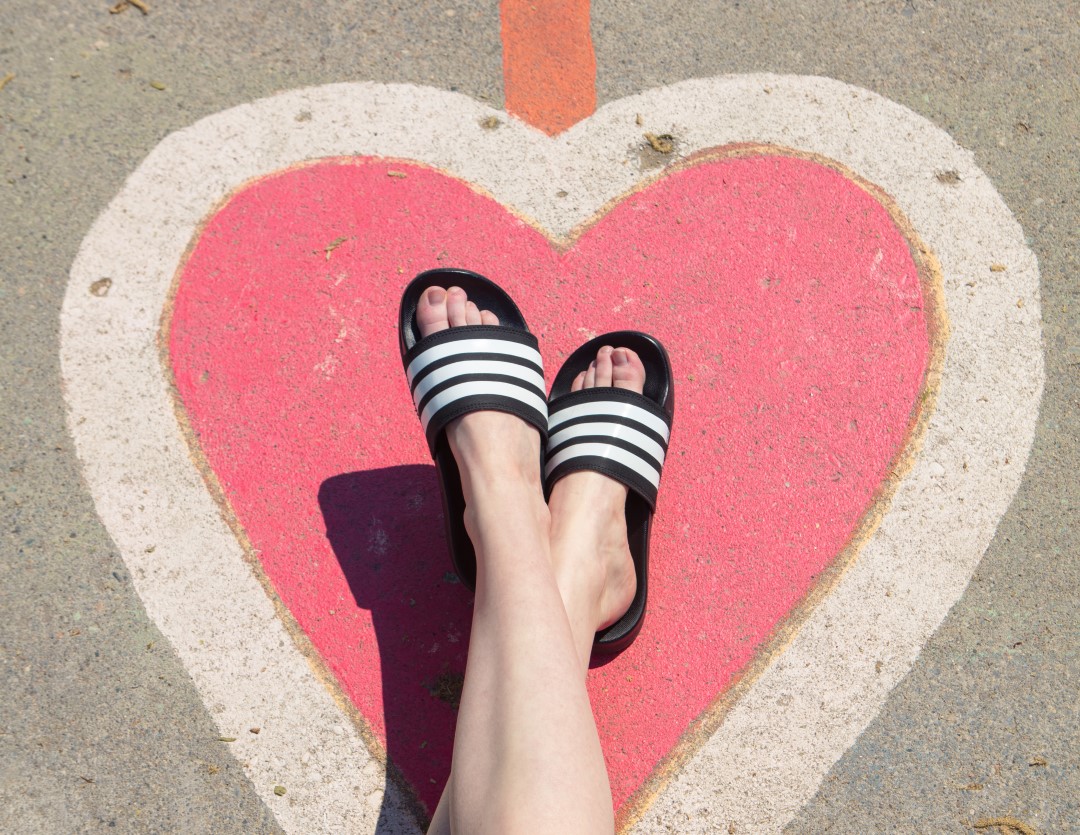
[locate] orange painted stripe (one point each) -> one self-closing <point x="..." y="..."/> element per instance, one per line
<point x="549" y="68"/>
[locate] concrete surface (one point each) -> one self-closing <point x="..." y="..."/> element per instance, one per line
<point x="100" y="728"/>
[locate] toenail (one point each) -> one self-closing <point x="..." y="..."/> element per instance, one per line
<point x="607" y="349"/>
<point x="619" y="357"/>
<point x="436" y="295"/>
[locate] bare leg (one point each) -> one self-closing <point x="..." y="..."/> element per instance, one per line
<point x="527" y="755"/>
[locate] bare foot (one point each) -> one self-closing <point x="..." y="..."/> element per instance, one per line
<point x="589" y="547"/>
<point x="498" y="454"/>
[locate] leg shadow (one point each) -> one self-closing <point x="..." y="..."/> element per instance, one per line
<point x="386" y="529"/>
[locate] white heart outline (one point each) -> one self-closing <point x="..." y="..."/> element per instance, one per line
<point x="808" y="706"/>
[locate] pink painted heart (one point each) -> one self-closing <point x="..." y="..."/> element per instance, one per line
<point x="797" y="320"/>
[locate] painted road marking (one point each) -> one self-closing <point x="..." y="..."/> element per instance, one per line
<point x="549" y="67"/>
<point x="795" y="314"/>
<point x="766" y="757"/>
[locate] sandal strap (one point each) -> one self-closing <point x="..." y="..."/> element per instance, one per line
<point x="619" y="433"/>
<point x="473" y="368"/>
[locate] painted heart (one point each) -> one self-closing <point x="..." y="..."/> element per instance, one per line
<point x="264" y="249"/>
<point x="796" y="317"/>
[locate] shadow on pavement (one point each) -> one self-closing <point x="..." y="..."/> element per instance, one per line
<point x="386" y="529"/>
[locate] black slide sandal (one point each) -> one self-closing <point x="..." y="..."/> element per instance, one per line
<point x="623" y="435"/>
<point x="467" y="369"/>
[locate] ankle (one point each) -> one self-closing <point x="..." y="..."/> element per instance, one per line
<point x="506" y="504"/>
<point x="580" y="576"/>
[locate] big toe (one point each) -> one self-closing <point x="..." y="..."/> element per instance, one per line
<point x="431" y="313"/>
<point x="627" y="370"/>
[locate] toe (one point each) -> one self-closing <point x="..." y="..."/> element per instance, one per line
<point x="472" y="314"/>
<point x="456" y="307"/>
<point x="590" y="376"/>
<point x="488" y="318"/>
<point x="431" y="314"/>
<point x="627" y="370"/>
<point x="579" y="382"/>
<point x="604" y="366"/>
